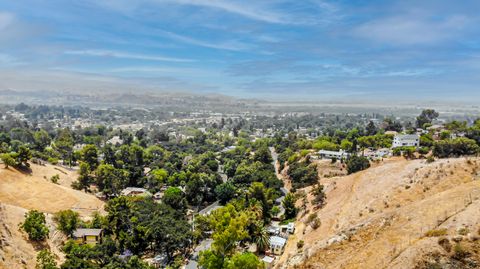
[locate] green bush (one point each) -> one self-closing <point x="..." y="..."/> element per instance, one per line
<point x="35" y="225"/>
<point x="357" y="163"/>
<point x="53" y="160"/>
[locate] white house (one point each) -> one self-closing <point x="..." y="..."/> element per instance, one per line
<point x="328" y="154"/>
<point x="268" y="261"/>
<point x="277" y="244"/>
<point x="406" y="140"/>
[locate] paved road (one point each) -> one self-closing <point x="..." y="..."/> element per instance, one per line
<point x="277" y="173"/>
<point x="193" y="262"/>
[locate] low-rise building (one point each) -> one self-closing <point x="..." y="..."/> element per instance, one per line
<point x="88" y="236"/>
<point x="406" y="140"/>
<point x="277" y="244"/>
<point x="328" y="154"/>
<point x="134" y="191"/>
<point x="268" y="261"/>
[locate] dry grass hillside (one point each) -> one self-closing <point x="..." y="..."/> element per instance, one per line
<point x="20" y="192"/>
<point x="35" y="191"/>
<point x="378" y="218"/>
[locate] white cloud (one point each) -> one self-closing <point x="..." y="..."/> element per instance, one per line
<point x="412" y="29"/>
<point x="125" y="55"/>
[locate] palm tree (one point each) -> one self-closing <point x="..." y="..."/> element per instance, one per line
<point x="261" y="237"/>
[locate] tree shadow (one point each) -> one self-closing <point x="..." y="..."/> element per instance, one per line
<point x="26" y="170"/>
<point x="39" y="245"/>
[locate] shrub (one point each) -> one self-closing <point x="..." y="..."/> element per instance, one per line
<point x="311" y="218"/>
<point x="430" y="159"/>
<point x="357" y="163"/>
<point x="53" y="160"/>
<point x="463" y="231"/>
<point x="459" y="252"/>
<point x="300" y="244"/>
<point x="35" y="225"/>
<point x="55" y="178"/>
<point x="455" y="147"/>
<point x="436" y="233"/>
<point x="46" y="260"/>
<point x="315" y="223"/>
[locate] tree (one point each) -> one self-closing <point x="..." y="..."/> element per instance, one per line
<point x="157" y="177"/>
<point x="89" y="154"/>
<point x="261" y="237"/>
<point x="175" y="198"/>
<point x="426" y="117"/>
<point x="170" y="232"/>
<point x="23" y="156"/>
<point x="64" y="145"/>
<point x="455" y="147"/>
<point x="225" y="192"/>
<point x="263" y="155"/>
<point x="318" y="194"/>
<point x="289" y="206"/>
<point x="245" y="261"/>
<point x="84" y="179"/>
<point x="371" y="129"/>
<point x="42" y="140"/>
<point x="35" y="225"/>
<point x="110" y="180"/>
<point x="45" y="260"/>
<point x="67" y="221"/>
<point x="7" y="159"/>
<point x="357" y="163"/>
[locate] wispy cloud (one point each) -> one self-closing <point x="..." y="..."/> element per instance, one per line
<point x="125" y="55"/>
<point x="223" y="45"/>
<point x="412" y="29"/>
<point x="249" y="10"/>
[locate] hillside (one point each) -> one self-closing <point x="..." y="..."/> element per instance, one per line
<point x="35" y="191"/>
<point x="377" y="218"/>
<point x="20" y="192"/>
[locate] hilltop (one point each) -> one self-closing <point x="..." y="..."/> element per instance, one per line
<point x="378" y="218"/>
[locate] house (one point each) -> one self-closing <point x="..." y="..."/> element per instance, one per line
<point x="273" y="230"/>
<point x="268" y="261"/>
<point x="277" y="244"/>
<point x="406" y="140"/>
<point x="328" y="154"/>
<point x="116" y="140"/>
<point x="133" y="191"/>
<point x="88" y="236"/>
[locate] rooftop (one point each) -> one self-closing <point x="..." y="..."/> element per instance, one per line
<point x="84" y="232"/>
<point x="277" y="241"/>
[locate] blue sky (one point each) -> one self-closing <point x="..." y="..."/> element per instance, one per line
<point x="309" y="49"/>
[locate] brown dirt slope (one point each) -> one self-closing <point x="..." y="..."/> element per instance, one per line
<point x="377" y="218"/>
<point x="35" y="191"/>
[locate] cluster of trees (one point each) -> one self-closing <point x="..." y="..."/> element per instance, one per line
<point x="303" y="173"/>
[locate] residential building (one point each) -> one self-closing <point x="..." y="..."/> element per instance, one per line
<point x="406" y="140"/>
<point x="133" y="191"/>
<point x="277" y="244"/>
<point x="88" y="236"/>
<point x="328" y="154"/>
<point x="268" y="261"/>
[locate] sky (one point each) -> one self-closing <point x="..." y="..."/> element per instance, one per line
<point x="280" y="50"/>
